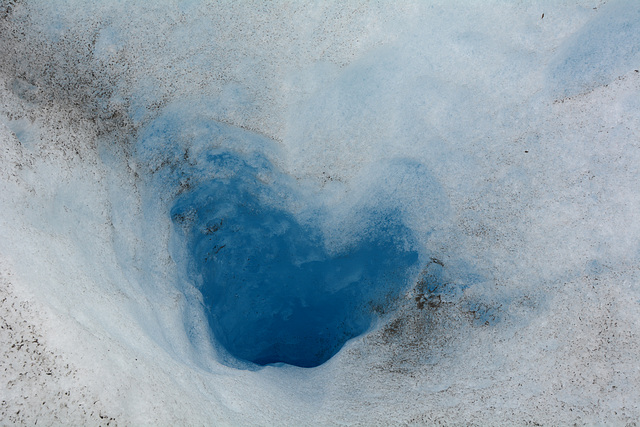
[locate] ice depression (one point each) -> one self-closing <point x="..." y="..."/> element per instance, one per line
<point x="323" y="213"/>
<point x="272" y="290"/>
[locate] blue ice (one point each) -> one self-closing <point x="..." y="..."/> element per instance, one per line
<point x="272" y="291"/>
<point x="605" y="48"/>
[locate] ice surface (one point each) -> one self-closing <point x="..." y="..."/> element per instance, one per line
<point x="430" y="208"/>
<point x="601" y="51"/>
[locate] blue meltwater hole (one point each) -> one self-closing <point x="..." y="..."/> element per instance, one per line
<point x="271" y="289"/>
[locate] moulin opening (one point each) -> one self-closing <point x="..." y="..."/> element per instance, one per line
<point x="272" y="292"/>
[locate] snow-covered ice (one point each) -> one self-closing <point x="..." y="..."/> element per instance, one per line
<point x="319" y="213"/>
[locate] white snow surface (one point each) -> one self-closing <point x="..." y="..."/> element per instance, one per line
<point x="525" y="114"/>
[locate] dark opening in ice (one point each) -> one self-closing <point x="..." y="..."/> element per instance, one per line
<point x="271" y="290"/>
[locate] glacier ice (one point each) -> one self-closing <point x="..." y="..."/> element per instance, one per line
<point x="273" y="287"/>
<point x="323" y="213"/>
<point x="271" y="290"/>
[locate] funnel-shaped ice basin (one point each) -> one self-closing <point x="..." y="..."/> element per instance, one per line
<point x="272" y="291"/>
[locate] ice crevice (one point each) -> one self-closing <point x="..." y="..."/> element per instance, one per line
<point x="319" y="214"/>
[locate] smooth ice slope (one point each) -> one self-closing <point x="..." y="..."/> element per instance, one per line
<point x="429" y="207"/>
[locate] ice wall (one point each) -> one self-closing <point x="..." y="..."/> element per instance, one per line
<point x="433" y="204"/>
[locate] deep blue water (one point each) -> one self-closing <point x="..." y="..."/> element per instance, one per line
<point x="272" y="291"/>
